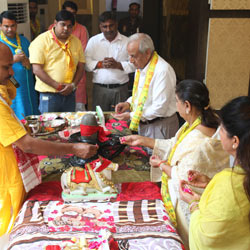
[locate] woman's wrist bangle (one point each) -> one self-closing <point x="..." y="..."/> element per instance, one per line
<point x="189" y="203"/>
<point x="193" y="206"/>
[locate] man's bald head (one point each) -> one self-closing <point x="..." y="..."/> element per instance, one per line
<point x="6" y="61"/>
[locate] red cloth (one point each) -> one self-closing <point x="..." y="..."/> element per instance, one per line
<point x="83" y="175"/>
<point x="132" y="191"/>
<point x="113" y="245"/>
<point x="53" y="247"/>
<point x="46" y="191"/>
<point x="105" y="163"/>
<point x="28" y="165"/>
<point x="80" y="176"/>
<point x="90" y="130"/>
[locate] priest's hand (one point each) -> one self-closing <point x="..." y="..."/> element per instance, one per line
<point x="84" y="150"/>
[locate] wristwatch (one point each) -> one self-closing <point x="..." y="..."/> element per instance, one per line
<point x="74" y="86"/>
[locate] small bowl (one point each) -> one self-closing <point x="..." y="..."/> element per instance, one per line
<point x="31" y="119"/>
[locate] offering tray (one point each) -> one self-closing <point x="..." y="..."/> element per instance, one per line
<point x="74" y="118"/>
<point x="45" y="124"/>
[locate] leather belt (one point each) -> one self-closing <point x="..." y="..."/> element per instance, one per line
<point x="111" y="86"/>
<point x="151" y="121"/>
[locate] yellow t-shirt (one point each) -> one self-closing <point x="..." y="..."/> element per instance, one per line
<point x="44" y="50"/>
<point x="10" y="131"/>
<point x="222" y="219"/>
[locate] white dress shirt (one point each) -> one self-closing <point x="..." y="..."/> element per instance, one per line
<point x="161" y="93"/>
<point x="98" y="48"/>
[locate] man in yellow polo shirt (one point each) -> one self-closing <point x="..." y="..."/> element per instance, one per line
<point x="12" y="132"/>
<point x="58" y="61"/>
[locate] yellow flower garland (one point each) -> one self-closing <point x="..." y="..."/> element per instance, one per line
<point x="144" y="94"/>
<point x="164" y="178"/>
<point x="66" y="48"/>
<point x="17" y="47"/>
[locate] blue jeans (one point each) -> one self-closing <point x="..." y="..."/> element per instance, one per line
<point x="54" y="102"/>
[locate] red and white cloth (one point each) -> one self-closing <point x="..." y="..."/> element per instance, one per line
<point x="28" y="165"/>
<point x="87" y="130"/>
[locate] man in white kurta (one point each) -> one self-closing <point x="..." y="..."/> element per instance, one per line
<point x="107" y="58"/>
<point x="158" y="119"/>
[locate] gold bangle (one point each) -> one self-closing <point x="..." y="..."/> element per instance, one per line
<point x="189" y="203"/>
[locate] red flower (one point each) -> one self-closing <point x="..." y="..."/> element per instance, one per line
<point x="90" y="224"/>
<point x="165" y="218"/>
<point x="103" y="219"/>
<point x="86" y="229"/>
<point x="66" y="228"/>
<point x="111" y="218"/>
<point x="52" y="229"/>
<point x="96" y="228"/>
<point x="112" y="230"/>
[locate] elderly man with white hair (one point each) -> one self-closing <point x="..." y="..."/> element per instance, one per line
<point x="151" y="108"/>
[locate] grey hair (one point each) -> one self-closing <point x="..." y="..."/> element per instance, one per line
<point x="145" y="42"/>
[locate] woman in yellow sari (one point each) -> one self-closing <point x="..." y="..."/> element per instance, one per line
<point x="195" y="147"/>
<point x="221" y="216"/>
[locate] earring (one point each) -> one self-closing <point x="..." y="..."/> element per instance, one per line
<point x="234" y="146"/>
<point x="187" y="111"/>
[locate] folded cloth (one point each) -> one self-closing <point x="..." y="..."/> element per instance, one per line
<point x="46" y="191"/>
<point x="28" y="165"/>
<point x="132" y="191"/>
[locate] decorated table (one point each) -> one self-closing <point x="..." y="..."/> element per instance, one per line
<point x="133" y="161"/>
<point x="135" y="219"/>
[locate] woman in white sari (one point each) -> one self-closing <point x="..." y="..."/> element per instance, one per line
<point x="195" y="147"/>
